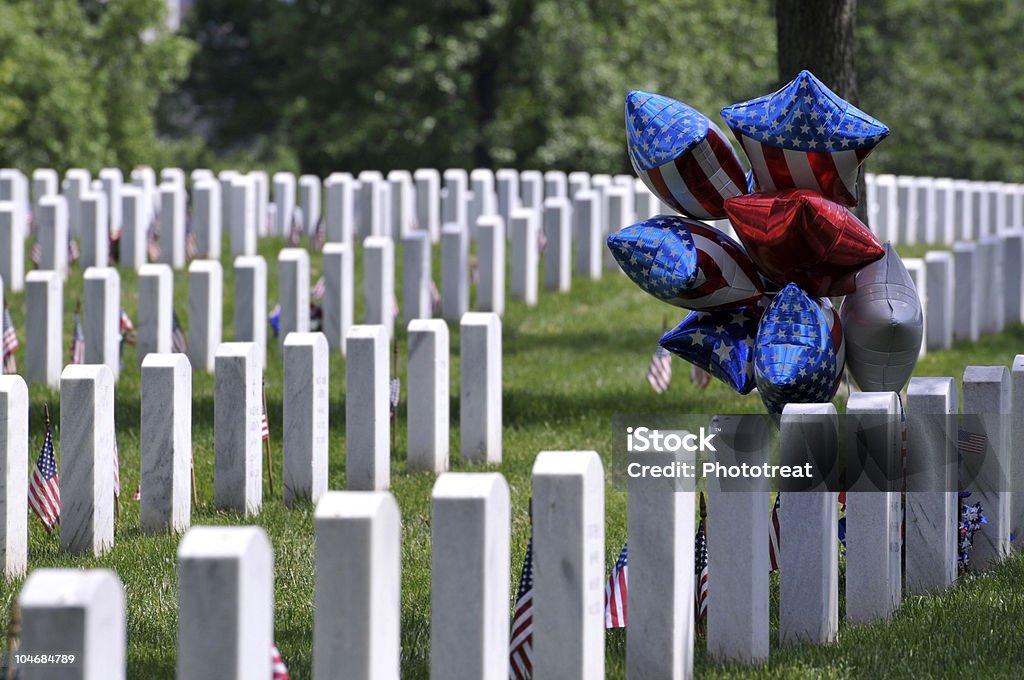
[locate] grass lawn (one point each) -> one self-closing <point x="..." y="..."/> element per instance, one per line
<point x="570" y="363"/>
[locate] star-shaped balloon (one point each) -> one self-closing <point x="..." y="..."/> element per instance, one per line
<point x="884" y="325"/>
<point x="721" y="343"/>
<point x="797" y="236"/>
<point x="686" y="263"/>
<point x="799" y="353"/>
<point x="681" y="155"/>
<point x="805" y="137"/>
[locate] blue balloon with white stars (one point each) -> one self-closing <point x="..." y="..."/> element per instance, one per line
<point x="721" y="343"/>
<point x="798" y="353"/>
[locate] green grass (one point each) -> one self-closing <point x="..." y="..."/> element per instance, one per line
<point x="570" y="363"/>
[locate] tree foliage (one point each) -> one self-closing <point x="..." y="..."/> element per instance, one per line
<point x="79" y="81"/>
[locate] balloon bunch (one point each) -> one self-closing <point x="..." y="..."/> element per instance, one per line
<point x="760" y="310"/>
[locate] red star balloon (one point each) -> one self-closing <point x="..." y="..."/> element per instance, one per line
<point x="798" y="236"/>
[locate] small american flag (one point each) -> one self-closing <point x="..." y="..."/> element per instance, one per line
<point x="971" y="442"/>
<point x="319" y="236"/>
<point x="435" y="299"/>
<point x="78" y="342"/>
<point x="153" y="245"/>
<point x="295" y="235"/>
<point x="10" y="343"/>
<point x="44" y="485"/>
<point x="773" y="536"/>
<point x="138" y="493"/>
<point x="394" y="394"/>
<point x="615" y="593"/>
<point x="179" y="342"/>
<point x="127" y="328"/>
<point x="280" y="671"/>
<point x="36" y="254"/>
<point x="542" y="241"/>
<point x="191" y="249"/>
<point x="700" y="552"/>
<point x="319" y="289"/>
<point x="520" y="655"/>
<point x="264" y="426"/>
<point x="700" y="377"/>
<point x="117" y="469"/>
<point x="659" y="372"/>
<point x="73" y="252"/>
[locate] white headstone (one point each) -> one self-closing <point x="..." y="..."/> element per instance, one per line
<point x="242" y="212"/>
<point x="1013" y="276"/>
<point x="87" y="460"/>
<point x="44" y="327"/>
<point x="45" y="182"/>
<point x="568" y="566"/>
<point x="587" y="235"/>
<point x="966" y="291"/>
<point x="931" y="484"/>
<point x="403" y="204"/>
<point x="939" y="293"/>
<point x="1016" y="445"/>
<point x="531" y="190"/>
<point x="12" y="247"/>
<point x="918" y="274"/>
<point x="53" y="234"/>
<point x="428" y="202"/>
<point x="986" y="397"/>
<point x="14" y="480"/>
<point x="73" y="612"/>
<point x="206" y="214"/>
<point x="556" y="184"/>
<point x="238" y="410"/>
<point x="558" y="251"/>
<point x="132" y="249"/>
<point x="165" y="444"/>
<point x="338" y="297"/>
<point x="293" y="291"/>
<point x="991" y="317"/>
<point x="469" y="577"/>
<point x="455" y="198"/>
<point x="156" y="311"/>
<point x="480" y="398"/>
<point x="507" y="181"/>
<point x="250" y="303"/>
<point x="309" y="201"/>
<point x="284" y="199"/>
<point x="261" y="200"/>
<point x="379" y="283"/>
<point x="873" y="517"/>
<point x="490" y="295"/>
<point x="577" y="182"/>
<point x="113" y="182"/>
<point x="339" y="208"/>
<point x="95" y="229"/>
<point x="367" y="418"/>
<point x="76" y="182"/>
<point x="172" y="225"/>
<point x="356" y="619"/>
<point x="225" y="604"/>
<point x="454" y="272"/>
<point x="523" y="238"/>
<point x="306" y="409"/>
<point x="483" y="200"/>
<point x="370" y="211"/>
<point x="101" y="318"/>
<point x="429" y="386"/>
<point x="205" y="312"/>
<point x="416" y="276"/>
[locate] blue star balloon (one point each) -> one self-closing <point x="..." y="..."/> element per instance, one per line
<point x="681" y="155"/>
<point x="687" y="263"/>
<point x="721" y="343"/>
<point x="799" y="352"/>
<point x="805" y="137"/>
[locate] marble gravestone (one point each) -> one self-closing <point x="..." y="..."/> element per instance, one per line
<point x="939" y="294"/>
<point x="416" y="276"/>
<point x="557" y="252"/>
<point x="165" y="444"/>
<point x="102" y="318"/>
<point x="284" y="200"/>
<point x="455" y="198"/>
<point x="95" y="229"/>
<point x="988" y="474"/>
<point x="14" y="480"/>
<point x="74" y="612"/>
<point x="309" y="201"/>
<point x="932" y="506"/>
<point x="809" y="545"/>
<point x="991" y="314"/>
<point x="531" y="190"/>
<point x="76" y="182"/>
<point x="1013" y="276"/>
<point x="873" y="570"/>
<point x="483" y="201"/>
<point x="339" y="208"/>
<point x="490" y="234"/>
<point x="379" y="283"/>
<point x="87" y="459"/>
<point x="523" y="236"/>
<point x="1016" y="445"/>
<point x="480" y="398"/>
<point x="338" y="297"/>
<point x="454" y="272"/>
<point x="403" y="209"/>
<point x="261" y="201"/>
<point x="225" y="604"/>
<point x="12" y="248"/>
<point x="428" y="390"/>
<point x="568" y="566"/>
<point x="293" y="291"/>
<point x="469" y="579"/>
<point x="371" y="211"/>
<point x="238" y="408"/>
<point x="206" y="214"/>
<point x="205" y="312"/>
<point x="132" y="249"/>
<point x="507" y="181"/>
<point x="367" y="419"/>
<point x="306" y="412"/>
<point x="428" y="202"/>
<point x="251" y="302"/>
<point x="356" y="620"/>
<point x="587" y="237"/>
<point x="966" y="292"/>
<point x="44" y="327"/>
<point x="52" y="234"/>
<point x="242" y="213"/>
<point x="45" y="182"/>
<point x="172" y="225"/>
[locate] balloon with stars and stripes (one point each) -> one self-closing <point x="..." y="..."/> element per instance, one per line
<point x="804" y="136"/>
<point x="686" y="263"/>
<point x="681" y="155"/>
<point x="799" y="354"/>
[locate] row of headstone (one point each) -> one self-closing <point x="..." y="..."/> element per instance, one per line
<point x="908" y="210"/>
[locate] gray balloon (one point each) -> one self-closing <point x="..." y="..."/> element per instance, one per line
<point x="883" y="324"/>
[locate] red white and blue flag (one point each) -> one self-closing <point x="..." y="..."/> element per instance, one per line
<point x="616" y="600"/>
<point x="10" y="344"/>
<point x="659" y="372"/>
<point x="700" y="552"/>
<point x="278" y="670"/>
<point x="44" y="485"/>
<point x="77" y="342"/>
<point x="520" y="654"/>
<point x="774" y="551"/>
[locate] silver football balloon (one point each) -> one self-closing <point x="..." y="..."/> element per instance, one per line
<point x="883" y="322"/>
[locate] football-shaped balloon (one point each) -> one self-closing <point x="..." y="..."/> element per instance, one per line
<point x="805" y="137"/>
<point x="721" y="343"/>
<point x="681" y="155"/>
<point x="797" y="236"/>
<point x="883" y="322"/>
<point x="686" y="263"/>
<point x="798" y="352"/>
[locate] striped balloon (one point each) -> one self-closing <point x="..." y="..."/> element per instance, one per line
<point x="681" y="155"/>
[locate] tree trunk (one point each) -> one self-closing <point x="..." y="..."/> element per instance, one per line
<point x="819" y="35"/>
